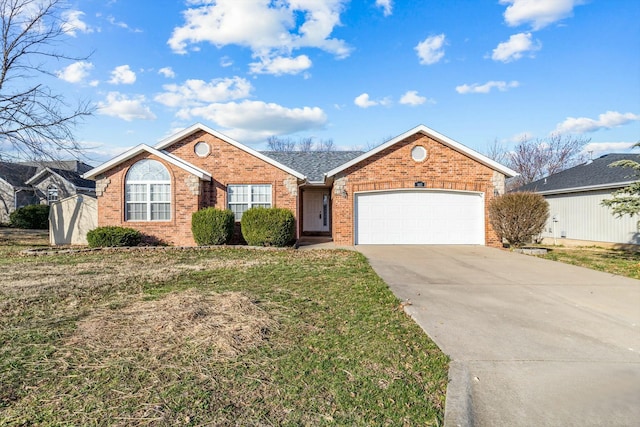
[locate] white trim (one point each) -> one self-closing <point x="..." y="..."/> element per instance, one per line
<point x="42" y="172"/>
<point x="168" y="157"/>
<point x="200" y="127"/>
<point x="433" y="134"/>
<point x="586" y="188"/>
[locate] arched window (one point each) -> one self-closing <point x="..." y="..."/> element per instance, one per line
<point x="52" y="193"/>
<point x="148" y="192"/>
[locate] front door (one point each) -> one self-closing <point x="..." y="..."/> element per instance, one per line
<point x="316" y="211"/>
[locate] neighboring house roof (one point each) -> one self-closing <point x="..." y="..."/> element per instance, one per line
<point x="68" y="175"/>
<point x="68" y="165"/>
<point x="168" y="157"/>
<point x="16" y="174"/>
<point x="438" y="137"/>
<point x="592" y="175"/>
<point x="200" y="127"/>
<point x="313" y="164"/>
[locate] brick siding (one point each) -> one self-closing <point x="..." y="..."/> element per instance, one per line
<point x="227" y="165"/>
<point x="393" y="168"/>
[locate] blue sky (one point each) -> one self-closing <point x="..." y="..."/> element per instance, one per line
<point x="357" y="72"/>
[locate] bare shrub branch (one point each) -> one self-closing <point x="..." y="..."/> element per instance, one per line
<point x="517" y="217"/>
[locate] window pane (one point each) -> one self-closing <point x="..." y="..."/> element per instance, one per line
<point x="238" y="193"/>
<point x="136" y="211"/>
<point x="160" y="211"/>
<point x="136" y="192"/>
<point x="148" y="170"/>
<point x="160" y="192"/>
<point x="261" y="194"/>
<point x="238" y="209"/>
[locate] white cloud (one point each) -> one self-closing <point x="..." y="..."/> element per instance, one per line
<point x="76" y="72"/>
<point x="515" y="47"/>
<point x="486" y="88"/>
<point x="607" y="120"/>
<point x="256" y="120"/>
<point x="281" y="65"/>
<point x="270" y="29"/>
<point x="72" y="23"/>
<point x="597" y="149"/>
<point x="225" y="62"/>
<point x="363" y="101"/>
<point x="431" y="49"/>
<point x="122" y="24"/>
<point x="125" y="108"/>
<point x="539" y="13"/>
<point x="122" y="75"/>
<point x="412" y="98"/>
<point x="197" y="92"/>
<point x="167" y="72"/>
<point x="386" y="5"/>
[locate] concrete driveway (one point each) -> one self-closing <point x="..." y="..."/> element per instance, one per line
<point x="532" y="342"/>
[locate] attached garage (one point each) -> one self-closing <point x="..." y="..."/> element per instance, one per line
<point x="429" y="217"/>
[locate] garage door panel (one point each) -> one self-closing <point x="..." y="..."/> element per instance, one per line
<point x="419" y="217"/>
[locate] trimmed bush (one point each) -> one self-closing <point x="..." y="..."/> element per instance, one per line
<point x="211" y="226"/>
<point x="268" y="227"/>
<point x="112" y="236"/>
<point x="517" y="217"/>
<point x="31" y="216"/>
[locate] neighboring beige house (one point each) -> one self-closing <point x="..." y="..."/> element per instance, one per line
<point x="28" y="183"/>
<point x="70" y="219"/>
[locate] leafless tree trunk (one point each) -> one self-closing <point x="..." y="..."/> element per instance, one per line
<point x="35" y="122"/>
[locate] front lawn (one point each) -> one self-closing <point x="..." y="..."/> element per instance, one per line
<point x="624" y="263"/>
<point x="210" y="337"/>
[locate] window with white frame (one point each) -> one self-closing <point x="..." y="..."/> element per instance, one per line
<point x="52" y="194"/>
<point x="243" y="197"/>
<point x="148" y="192"/>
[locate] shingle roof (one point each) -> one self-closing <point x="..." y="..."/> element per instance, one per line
<point x="75" y="178"/>
<point x="596" y="173"/>
<point x="16" y="174"/>
<point x="312" y="164"/>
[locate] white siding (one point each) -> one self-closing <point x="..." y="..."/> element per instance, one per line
<point x="70" y="220"/>
<point x="582" y="217"/>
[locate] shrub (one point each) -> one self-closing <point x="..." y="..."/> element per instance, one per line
<point x="517" y="217"/>
<point x="268" y="226"/>
<point x="211" y="226"/>
<point x="111" y="236"/>
<point x="31" y="216"/>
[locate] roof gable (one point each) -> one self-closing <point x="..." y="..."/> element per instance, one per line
<point x="168" y="157"/>
<point x="200" y="127"/>
<point x="591" y="175"/>
<point x="70" y="176"/>
<point x="438" y="137"/>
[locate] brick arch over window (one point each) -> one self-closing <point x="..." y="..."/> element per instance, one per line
<point x="148" y="192"/>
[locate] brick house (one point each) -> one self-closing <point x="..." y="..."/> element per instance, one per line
<point x="420" y="187"/>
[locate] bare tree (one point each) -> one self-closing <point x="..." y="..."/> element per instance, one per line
<point x="302" y="144"/>
<point x="281" y="144"/>
<point x="35" y="122"/>
<point x="536" y="158"/>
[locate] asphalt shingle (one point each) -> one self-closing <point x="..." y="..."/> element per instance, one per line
<point x="312" y="164"/>
<point x="594" y="173"/>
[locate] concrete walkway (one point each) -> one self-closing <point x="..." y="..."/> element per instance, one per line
<point x="532" y="342"/>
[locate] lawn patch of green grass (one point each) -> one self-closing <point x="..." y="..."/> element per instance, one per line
<point x="621" y="262"/>
<point x="211" y="337"/>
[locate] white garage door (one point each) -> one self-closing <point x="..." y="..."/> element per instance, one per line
<point x="419" y="217"/>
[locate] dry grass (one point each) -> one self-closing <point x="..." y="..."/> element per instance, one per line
<point x="209" y="337"/>
<point x="225" y="324"/>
